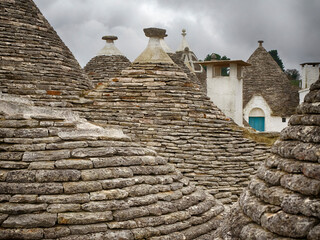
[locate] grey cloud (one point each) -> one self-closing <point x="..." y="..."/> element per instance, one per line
<point x="230" y="27"/>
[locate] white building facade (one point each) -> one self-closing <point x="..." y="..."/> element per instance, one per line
<point x="226" y="91"/>
<point x="309" y="75"/>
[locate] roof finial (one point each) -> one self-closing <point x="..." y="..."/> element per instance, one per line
<point x="154" y="53"/>
<point x="184" y="32"/>
<point x="183" y="43"/>
<point x="109" y="49"/>
<point x="260" y="43"/>
<point x="109" y="38"/>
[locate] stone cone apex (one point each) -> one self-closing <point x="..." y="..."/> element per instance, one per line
<point x="154" y="53"/>
<point x="107" y="64"/>
<point x="184" y="44"/>
<point x="109" y="49"/>
<point x="64" y="178"/>
<point x="34" y="60"/>
<point x="282" y="201"/>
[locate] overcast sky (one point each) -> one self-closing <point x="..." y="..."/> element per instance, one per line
<point x="229" y="27"/>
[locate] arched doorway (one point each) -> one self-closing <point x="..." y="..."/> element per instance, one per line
<point x="257" y="119"/>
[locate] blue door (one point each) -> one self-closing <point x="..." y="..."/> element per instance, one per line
<point x="257" y="123"/>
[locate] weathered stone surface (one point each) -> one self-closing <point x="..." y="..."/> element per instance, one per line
<point x="36" y="233"/>
<point x="45" y="155"/>
<point x="253" y="208"/>
<point x="133" y="212"/>
<point x="41" y="165"/>
<point x="18" y="208"/>
<point x="23" y="198"/>
<point x="254" y="231"/>
<point x="93" y="152"/>
<point x="57" y="175"/>
<point x="74" y="164"/>
<point x="296" y="203"/>
<point x="83" y="186"/>
<point x="21" y="176"/>
<point x="99" y="206"/>
<point x="105" y="173"/>
<point x="270" y="176"/>
<point x="287" y="225"/>
<point x="108" y="194"/>
<point x="117" y="183"/>
<point x="11" y="156"/>
<point x="301" y="184"/>
<point x="70" y="198"/>
<point x="84" y="217"/>
<point x="3" y="217"/>
<point x="30" y="220"/>
<point x="31" y="188"/>
<point x="88" y="228"/>
<point x="314" y="233"/>
<point x="58" y="208"/>
<point x="311" y="170"/>
<point x="56" y="232"/>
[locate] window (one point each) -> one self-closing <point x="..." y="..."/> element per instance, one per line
<point x="284" y="119"/>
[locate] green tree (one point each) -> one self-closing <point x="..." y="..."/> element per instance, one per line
<point x="216" y="56"/>
<point x="294" y="76"/>
<point x="274" y="54"/>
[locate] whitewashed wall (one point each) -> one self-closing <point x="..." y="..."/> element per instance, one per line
<point x="226" y="93"/>
<point x="272" y="123"/>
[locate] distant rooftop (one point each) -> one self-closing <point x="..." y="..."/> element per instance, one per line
<point x="224" y="63"/>
<point x="310" y="63"/>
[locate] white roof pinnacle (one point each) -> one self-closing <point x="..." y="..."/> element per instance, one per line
<point x="109" y="49"/>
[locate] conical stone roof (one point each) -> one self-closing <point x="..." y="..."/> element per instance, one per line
<point x="108" y="63"/>
<point x="283" y="199"/>
<point x="158" y="105"/>
<point x="34" y="60"/>
<point x="63" y="178"/>
<point x="199" y="78"/>
<point x="264" y="77"/>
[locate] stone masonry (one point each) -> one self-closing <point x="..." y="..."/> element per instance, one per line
<point x="64" y="178"/>
<point x="107" y="64"/>
<point x="34" y="60"/>
<point x="283" y="200"/>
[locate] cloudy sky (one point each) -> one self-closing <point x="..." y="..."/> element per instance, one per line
<point x="229" y="27"/>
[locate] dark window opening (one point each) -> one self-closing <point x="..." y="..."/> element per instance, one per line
<point x="284" y="119"/>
